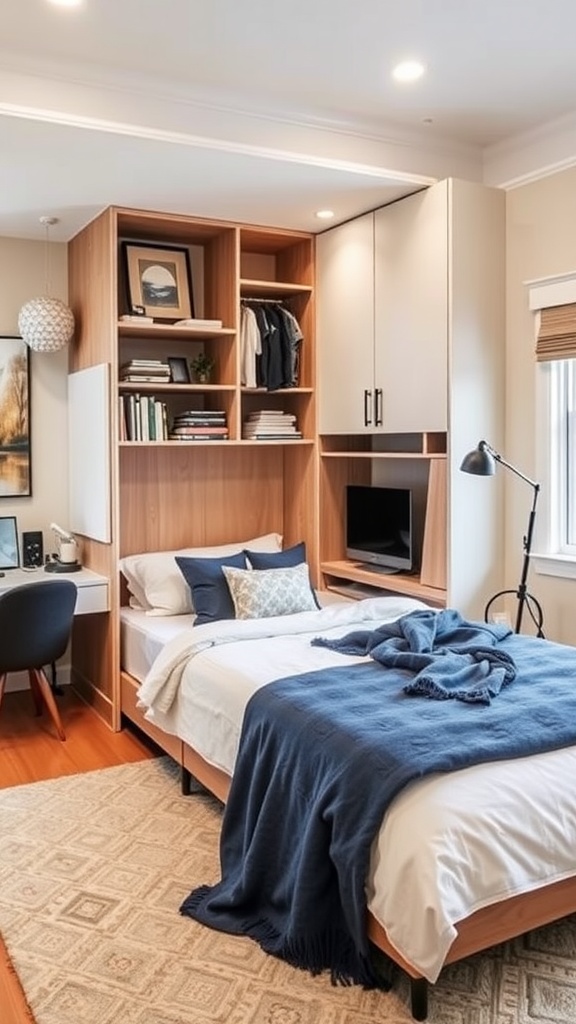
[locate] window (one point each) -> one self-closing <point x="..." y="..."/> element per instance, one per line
<point x="562" y="455"/>
<point x="553" y="301"/>
<point x="556" y="457"/>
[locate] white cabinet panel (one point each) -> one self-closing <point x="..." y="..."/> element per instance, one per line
<point x="411" y="311"/>
<point x="345" y="326"/>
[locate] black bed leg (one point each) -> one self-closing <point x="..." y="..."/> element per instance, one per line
<point x="419" y="998"/>
<point x="185" y="780"/>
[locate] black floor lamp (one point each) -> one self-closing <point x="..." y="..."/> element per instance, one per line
<point x="482" y="462"/>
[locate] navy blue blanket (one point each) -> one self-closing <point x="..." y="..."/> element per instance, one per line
<point x="444" y="656"/>
<point x="321" y="757"/>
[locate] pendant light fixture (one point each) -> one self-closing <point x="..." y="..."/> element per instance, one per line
<point x="46" y="324"/>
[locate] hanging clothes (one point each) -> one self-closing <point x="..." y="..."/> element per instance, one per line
<point x="273" y="360"/>
<point x="250" y="346"/>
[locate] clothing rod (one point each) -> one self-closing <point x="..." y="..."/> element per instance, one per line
<point x="272" y="302"/>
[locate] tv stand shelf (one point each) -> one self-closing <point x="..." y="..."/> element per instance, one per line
<point x="354" y="580"/>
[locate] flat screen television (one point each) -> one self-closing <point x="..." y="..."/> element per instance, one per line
<point x="379" y="527"/>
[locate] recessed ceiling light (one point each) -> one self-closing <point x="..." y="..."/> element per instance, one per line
<point x="325" y="214"/>
<point x="66" y="3"/>
<point x="408" y="71"/>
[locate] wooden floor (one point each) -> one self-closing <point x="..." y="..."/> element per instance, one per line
<point x="31" y="751"/>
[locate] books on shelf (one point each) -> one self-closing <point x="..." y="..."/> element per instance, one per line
<point x="142" y="418"/>
<point x="294" y="436"/>
<point x="199" y="425"/>
<point x="195" y="435"/>
<point x="145" y="371"/>
<point x="270" y="425"/>
<point x="209" y="325"/>
<point x="193" y="428"/>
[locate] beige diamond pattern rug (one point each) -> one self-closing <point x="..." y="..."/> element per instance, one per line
<point x="93" y="869"/>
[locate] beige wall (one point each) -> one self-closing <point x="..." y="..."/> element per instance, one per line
<point x="22" y="277"/>
<point x="541" y="241"/>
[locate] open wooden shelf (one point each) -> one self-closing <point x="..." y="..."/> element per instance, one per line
<point x="132" y="330"/>
<point x="364" y="580"/>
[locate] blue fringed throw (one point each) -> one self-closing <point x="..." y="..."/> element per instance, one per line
<point x="444" y="656"/>
<point x="321" y="757"/>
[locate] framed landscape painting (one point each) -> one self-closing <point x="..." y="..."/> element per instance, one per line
<point x="159" y="280"/>
<point x="15" y="467"/>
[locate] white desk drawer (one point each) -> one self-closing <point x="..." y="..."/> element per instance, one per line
<point x="92" y="599"/>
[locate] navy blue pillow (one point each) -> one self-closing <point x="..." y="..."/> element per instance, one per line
<point x="279" y="559"/>
<point x="211" y="597"/>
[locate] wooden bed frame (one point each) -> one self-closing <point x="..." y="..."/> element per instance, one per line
<point x="485" y="928"/>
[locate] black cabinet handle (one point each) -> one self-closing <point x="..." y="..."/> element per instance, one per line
<point x="367" y="407"/>
<point x="379" y="407"/>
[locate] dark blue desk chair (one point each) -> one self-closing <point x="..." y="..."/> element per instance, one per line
<point x="35" y="626"/>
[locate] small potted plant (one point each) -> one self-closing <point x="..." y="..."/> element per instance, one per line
<point x="202" y="366"/>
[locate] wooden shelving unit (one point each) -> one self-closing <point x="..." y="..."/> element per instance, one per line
<point x="363" y="582"/>
<point x="171" y="494"/>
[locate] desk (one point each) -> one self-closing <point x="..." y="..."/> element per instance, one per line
<point x="92" y="588"/>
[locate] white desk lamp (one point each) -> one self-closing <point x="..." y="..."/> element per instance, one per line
<point x="67" y="560"/>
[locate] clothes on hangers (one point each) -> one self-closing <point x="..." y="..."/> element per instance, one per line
<point x="270" y="340"/>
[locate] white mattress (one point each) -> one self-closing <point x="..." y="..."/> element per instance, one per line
<point x="449" y="844"/>
<point x="142" y="637"/>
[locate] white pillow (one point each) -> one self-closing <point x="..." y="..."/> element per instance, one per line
<point x="156" y="583"/>
<point x="262" y="593"/>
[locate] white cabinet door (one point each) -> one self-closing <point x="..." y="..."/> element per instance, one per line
<point x="345" y="327"/>
<point x="411" y="311"/>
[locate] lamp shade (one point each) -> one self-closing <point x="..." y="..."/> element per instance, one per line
<point x="479" y="462"/>
<point x="46" y="325"/>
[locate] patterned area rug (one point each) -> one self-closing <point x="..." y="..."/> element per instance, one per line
<point x="93" y="869"/>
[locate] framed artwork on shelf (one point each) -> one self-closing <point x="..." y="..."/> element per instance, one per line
<point x="159" y="280"/>
<point x="9" y="555"/>
<point x="179" y="370"/>
<point x="15" y="464"/>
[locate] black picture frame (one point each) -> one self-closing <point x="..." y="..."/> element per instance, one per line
<point x="159" y="280"/>
<point x="9" y="551"/>
<point x="15" y="449"/>
<point x="179" y="370"/>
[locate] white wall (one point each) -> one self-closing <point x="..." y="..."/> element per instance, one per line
<point x="22" y="277"/>
<point x="541" y="241"/>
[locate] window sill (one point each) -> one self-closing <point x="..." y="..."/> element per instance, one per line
<point x="555" y="565"/>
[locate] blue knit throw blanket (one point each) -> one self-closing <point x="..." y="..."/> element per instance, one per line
<point x="443" y="655"/>
<point x="321" y="757"/>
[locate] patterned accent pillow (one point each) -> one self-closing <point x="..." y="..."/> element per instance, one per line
<point x="260" y="594"/>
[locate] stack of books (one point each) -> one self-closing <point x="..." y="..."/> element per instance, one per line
<point x="206" y="325"/>
<point x="142" y="418"/>
<point x="199" y="425"/>
<point x="145" y="371"/>
<point x="270" y="425"/>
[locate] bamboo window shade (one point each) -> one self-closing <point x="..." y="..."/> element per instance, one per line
<point x="557" y="333"/>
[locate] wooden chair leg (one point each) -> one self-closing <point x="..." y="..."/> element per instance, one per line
<point x="36" y="694"/>
<point x="48" y="698"/>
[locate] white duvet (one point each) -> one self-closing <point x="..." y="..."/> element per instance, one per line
<point x="449" y="844"/>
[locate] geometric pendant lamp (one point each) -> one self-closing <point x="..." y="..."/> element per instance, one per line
<point x="46" y="324"/>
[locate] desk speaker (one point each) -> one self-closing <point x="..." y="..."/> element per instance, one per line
<point x="32" y="549"/>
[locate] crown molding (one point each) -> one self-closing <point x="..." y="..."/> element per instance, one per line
<point x="151" y="108"/>
<point x="532" y="155"/>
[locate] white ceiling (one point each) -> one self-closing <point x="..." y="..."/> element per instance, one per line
<point x="262" y="111"/>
